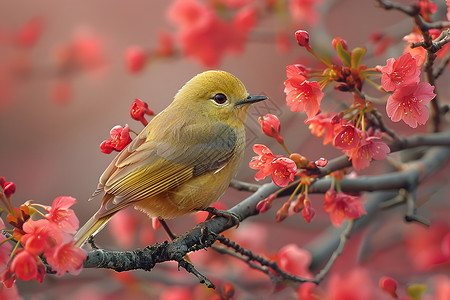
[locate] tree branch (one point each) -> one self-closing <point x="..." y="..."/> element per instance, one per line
<point x="205" y="234"/>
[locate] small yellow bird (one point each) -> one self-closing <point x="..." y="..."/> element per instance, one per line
<point x="184" y="159"/>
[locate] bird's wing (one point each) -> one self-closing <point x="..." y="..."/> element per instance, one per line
<point x="160" y="162"/>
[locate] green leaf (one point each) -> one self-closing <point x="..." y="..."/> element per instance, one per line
<point x="343" y="54"/>
<point x="357" y="55"/>
<point x="416" y="291"/>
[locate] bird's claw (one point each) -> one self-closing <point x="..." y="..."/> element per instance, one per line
<point x="231" y="216"/>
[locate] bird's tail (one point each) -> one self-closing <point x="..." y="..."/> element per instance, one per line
<point x="91" y="228"/>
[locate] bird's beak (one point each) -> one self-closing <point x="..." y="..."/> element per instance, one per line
<point x="251" y="99"/>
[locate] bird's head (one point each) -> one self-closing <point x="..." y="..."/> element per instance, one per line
<point x="217" y="95"/>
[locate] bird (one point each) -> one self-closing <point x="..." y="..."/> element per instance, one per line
<point x="184" y="159"/>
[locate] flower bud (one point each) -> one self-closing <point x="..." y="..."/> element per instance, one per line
<point x="270" y="125"/>
<point x="8" y="187"/>
<point x="302" y="38"/>
<point x="139" y="109"/>
<point x="308" y="212"/>
<point x="339" y="40"/>
<point x="299" y="203"/>
<point x="228" y="291"/>
<point x="283" y="213"/>
<point x="389" y="285"/>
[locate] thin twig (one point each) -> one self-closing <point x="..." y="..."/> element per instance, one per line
<point x="345" y="235"/>
<point x="244" y="186"/>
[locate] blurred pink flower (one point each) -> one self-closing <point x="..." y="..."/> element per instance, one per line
<point x="236" y="3"/>
<point x="177" y="293"/>
<point x="401" y="71"/>
<point x="408" y="103"/>
<point x="304" y="11"/>
<point x="420" y="52"/>
<point x="356" y="284"/>
<point x="207" y="37"/>
<point x="61" y="92"/>
<point x="389" y="285"/>
<point x="30" y="32"/>
<point x="425" y="246"/>
<point x="135" y="58"/>
<point x="295" y="261"/>
<point x="123" y="228"/>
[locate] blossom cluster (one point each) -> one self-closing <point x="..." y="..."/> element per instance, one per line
<point x="410" y="97"/>
<point x="49" y="238"/>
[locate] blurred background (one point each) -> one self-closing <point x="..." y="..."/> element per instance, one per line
<point x="66" y="80"/>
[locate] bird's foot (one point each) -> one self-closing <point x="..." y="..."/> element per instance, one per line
<point x="231" y="216"/>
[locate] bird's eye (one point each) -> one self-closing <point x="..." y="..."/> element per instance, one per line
<point x="220" y="98"/>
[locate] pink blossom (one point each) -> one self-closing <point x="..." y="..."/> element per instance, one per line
<point x="40" y="236"/>
<point x="27" y="266"/>
<point x="262" y="162"/>
<point x="120" y="138"/>
<point x="24" y="265"/>
<point x="368" y="149"/>
<point x="66" y="258"/>
<point x="60" y="214"/>
<point x="342" y="206"/>
<point x="347" y="138"/>
<point x="322" y="126"/>
<point x="283" y="170"/>
<point x="298" y="70"/>
<point x="401" y="71"/>
<point x="303" y="95"/>
<point x="408" y="103"/>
